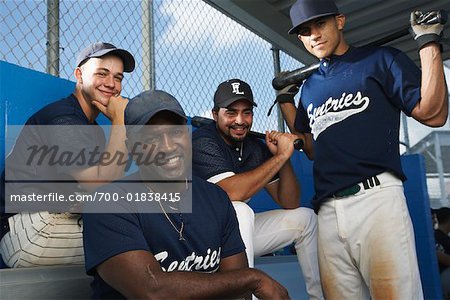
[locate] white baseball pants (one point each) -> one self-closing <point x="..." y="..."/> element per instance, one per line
<point x="366" y="245"/>
<point x="269" y="231"/>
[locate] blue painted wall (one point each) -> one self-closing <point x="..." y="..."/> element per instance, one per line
<point x="23" y="92"/>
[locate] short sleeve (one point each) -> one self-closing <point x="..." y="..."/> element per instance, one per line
<point x="301" y="122"/>
<point x="82" y="143"/>
<point x="403" y="83"/>
<point x="108" y="234"/>
<point x="208" y="159"/>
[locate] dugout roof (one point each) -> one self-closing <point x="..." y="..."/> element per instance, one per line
<point x="367" y="20"/>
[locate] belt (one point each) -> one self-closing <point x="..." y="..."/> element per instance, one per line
<point x="367" y="184"/>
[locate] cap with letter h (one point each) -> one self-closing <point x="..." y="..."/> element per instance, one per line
<point x="306" y="10"/>
<point x="232" y="90"/>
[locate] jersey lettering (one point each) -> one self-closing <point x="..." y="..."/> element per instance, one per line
<point x="193" y="262"/>
<point x="334" y="111"/>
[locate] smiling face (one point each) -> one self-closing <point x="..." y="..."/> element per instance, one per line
<point x="234" y="122"/>
<point x="323" y="37"/>
<point x="100" y="78"/>
<point x="168" y="138"/>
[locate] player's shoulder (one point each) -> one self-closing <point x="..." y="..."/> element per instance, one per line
<point x="65" y="111"/>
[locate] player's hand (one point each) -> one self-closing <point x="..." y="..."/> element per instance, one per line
<point x="268" y="288"/>
<point x="424" y="33"/>
<point x="114" y="110"/>
<point x="280" y="143"/>
<point x="287" y="94"/>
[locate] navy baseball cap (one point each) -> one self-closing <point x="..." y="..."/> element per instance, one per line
<point x="144" y="106"/>
<point x="100" y="49"/>
<point x="232" y="90"/>
<point x="306" y="10"/>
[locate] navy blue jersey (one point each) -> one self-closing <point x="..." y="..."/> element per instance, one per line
<point x="63" y="115"/>
<point x="211" y="232"/>
<point x="212" y="156"/>
<point x="352" y="105"/>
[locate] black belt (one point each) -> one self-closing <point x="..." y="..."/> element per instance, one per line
<point x="367" y="184"/>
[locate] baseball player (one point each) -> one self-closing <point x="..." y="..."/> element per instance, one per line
<point x="225" y="154"/>
<point x="348" y="117"/>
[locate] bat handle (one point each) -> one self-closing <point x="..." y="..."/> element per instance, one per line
<point x="298" y="144"/>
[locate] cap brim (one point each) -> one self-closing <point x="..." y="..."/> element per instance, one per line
<point x="294" y="30"/>
<point x="234" y="99"/>
<point x="127" y="58"/>
<point x="146" y="117"/>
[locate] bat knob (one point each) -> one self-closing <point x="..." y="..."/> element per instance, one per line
<point x="298" y="144"/>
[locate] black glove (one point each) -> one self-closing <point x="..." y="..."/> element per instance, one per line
<point x="425" y="33"/>
<point x="285" y="95"/>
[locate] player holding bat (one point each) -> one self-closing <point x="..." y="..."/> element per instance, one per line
<point x="349" y="117"/>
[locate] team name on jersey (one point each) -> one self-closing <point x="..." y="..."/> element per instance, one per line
<point x="333" y="111"/>
<point x="193" y="262"/>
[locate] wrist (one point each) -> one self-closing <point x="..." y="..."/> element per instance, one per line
<point x="285" y="98"/>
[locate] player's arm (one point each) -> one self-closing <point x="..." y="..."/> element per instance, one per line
<point x="443" y="259"/>
<point x="95" y="176"/>
<point x="432" y="108"/>
<point x="289" y="112"/>
<point x="286" y="190"/>
<point x="136" y="274"/>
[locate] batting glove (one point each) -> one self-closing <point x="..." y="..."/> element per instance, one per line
<point x="285" y="95"/>
<point x="423" y="33"/>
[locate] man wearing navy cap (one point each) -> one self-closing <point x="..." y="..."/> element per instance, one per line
<point x="50" y="238"/>
<point x="349" y="117"/>
<point x="163" y="249"/>
<point x="225" y="154"/>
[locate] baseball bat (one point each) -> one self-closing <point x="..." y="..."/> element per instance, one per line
<point x="298" y="75"/>
<point x="201" y="121"/>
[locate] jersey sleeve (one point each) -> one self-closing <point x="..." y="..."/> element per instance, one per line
<point x="82" y="143"/>
<point x="108" y="234"/>
<point x="301" y="122"/>
<point x="208" y="159"/>
<point x="403" y="81"/>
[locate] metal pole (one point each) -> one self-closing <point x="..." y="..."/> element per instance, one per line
<point x="148" y="46"/>
<point x="53" y="37"/>
<point x="406" y="133"/>
<point x="277" y="70"/>
<point x="440" y="168"/>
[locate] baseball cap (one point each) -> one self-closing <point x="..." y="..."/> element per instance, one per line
<point x="100" y="49"/>
<point x="144" y="106"/>
<point x="306" y="10"/>
<point x="232" y="90"/>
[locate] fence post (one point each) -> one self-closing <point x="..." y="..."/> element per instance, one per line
<point x="148" y="46"/>
<point x="277" y="70"/>
<point x="53" y="37"/>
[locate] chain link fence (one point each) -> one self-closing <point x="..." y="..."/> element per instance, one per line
<point x="185" y="47"/>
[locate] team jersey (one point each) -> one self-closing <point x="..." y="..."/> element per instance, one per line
<point x="211" y="233"/>
<point x="213" y="159"/>
<point x="67" y="136"/>
<point x="351" y="105"/>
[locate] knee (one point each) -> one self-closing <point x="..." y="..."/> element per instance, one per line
<point x="305" y="220"/>
<point x="243" y="211"/>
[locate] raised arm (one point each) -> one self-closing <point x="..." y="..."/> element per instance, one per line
<point x="432" y="108"/>
<point x="93" y="177"/>
<point x="136" y="274"/>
